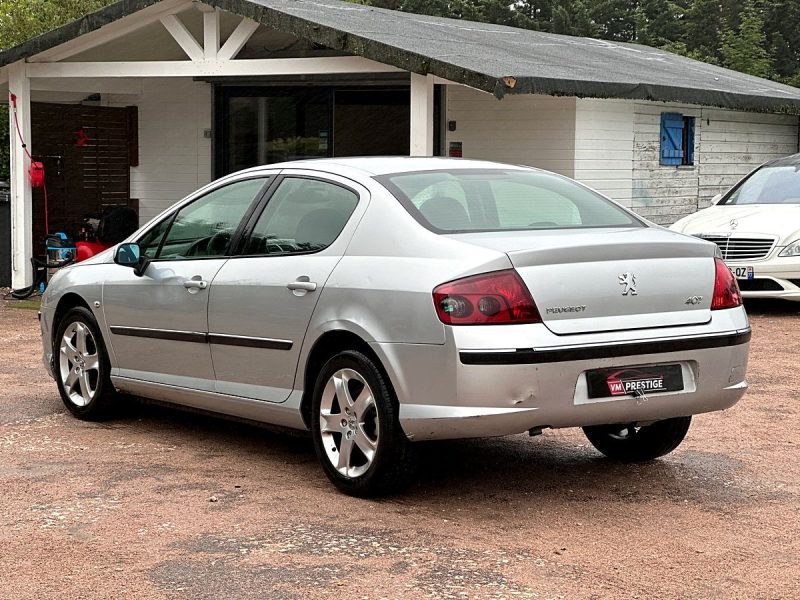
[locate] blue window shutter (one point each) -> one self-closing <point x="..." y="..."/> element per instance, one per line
<point x="671" y="139"/>
<point x="690" y="140"/>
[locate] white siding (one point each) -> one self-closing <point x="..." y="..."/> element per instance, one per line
<point x="734" y="143"/>
<point x="174" y="154"/>
<point x="604" y="147"/>
<point x="531" y="130"/>
<point x="728" y="145"/>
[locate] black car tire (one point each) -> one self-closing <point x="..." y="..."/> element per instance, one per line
<point x="630" y="444"/>
<point x="392" y="465"/>
<point x="76" y="362"/>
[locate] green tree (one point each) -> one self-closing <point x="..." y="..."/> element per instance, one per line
<point x="744" y="49"/>
<point x="21" y="20"/>
<point x="703" y="27"/>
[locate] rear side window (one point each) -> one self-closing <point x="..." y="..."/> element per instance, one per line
<point x="499" y="200"/>
<point x="302" y="216"/>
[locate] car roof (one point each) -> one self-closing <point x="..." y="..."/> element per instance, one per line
<point x="383" y="165"/>
<point x="784" y="161"/>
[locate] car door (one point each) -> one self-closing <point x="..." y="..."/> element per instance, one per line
<point x="262" y="300"/>
<point x="159" y="322"/>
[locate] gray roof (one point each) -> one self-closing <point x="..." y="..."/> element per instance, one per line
<point x="497" y="59"/>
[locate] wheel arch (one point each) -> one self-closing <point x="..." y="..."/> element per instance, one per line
<point x="325" y="347"/>
<point x="65" y="304"/>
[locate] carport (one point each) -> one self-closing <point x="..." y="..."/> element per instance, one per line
<point x="208" y="87"/>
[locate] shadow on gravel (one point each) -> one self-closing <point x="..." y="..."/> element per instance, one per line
<point x="772" y="308"/>
<point x="554" y="468"/>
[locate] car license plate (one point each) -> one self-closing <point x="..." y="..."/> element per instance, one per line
<point x="634" y="381"/>
<point x="743" y="272"/>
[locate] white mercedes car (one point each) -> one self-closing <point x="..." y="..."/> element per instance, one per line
<point x="757" y="228"/>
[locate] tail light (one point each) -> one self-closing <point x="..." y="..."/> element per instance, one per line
<point x="726" y="290"/>
<point x="498" y="298"/>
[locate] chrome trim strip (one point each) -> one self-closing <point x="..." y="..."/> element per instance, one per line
<point x="530" y="356"/>
<point x="249" y="342"/>
<point x="203" y="338"/>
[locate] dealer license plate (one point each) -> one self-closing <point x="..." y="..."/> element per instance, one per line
<point x="743" y="272"/>
<point x="634" y="381"/>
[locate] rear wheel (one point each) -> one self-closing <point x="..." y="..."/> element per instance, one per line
<point x="356" y="430"/>
<point x="629" y="443"/>
<point x="81" y="366"/>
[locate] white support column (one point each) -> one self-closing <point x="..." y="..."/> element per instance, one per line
<point x="421" y="115"/>
<point x="211" y="33"/>
<point x="21" y="191"/>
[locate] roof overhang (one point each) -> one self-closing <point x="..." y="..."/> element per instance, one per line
<point x="495" y="59"/>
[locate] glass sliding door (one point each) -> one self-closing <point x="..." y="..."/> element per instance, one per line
<point x="370" y="122"/>
<point x="267" y="126"/>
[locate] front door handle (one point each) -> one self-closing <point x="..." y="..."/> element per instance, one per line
<point x="195" y="283"/>
<point x="302" y="286"/>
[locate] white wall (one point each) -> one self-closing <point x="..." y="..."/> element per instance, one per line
<point x="531" y="130"/>
<point x="728" y="145"/>
<point x="174" y="155"/>
<point x="734" y="143"/>
<point x="604" y="147"/>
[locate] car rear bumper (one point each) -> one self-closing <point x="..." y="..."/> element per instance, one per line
<point x="501" y="393"/>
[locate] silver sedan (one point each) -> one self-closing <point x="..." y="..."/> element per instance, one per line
<point x="383" y="301"/>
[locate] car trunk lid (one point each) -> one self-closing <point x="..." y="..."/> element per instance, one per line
<point x="610" y="279"/>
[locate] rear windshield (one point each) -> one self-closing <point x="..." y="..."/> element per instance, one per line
<point x="768" y="185"/>
<point x="499" y="200"/>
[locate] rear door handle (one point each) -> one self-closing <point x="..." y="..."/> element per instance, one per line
<point x="195" y="283"/>
<point x="302" y="286"/>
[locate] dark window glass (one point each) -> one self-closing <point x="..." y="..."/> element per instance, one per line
<point x="304" y="215"/>
<point x="276" y="128"/>
<point x="151" y="242"/>
<point x="204" y="228"/>
<point x="768" y="185"/>
<point x="498" y="200"/>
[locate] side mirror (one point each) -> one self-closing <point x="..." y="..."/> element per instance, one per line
<point x="130" y="255"/>
<point x="715" y="200"/>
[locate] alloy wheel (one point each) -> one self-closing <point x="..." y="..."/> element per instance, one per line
<point x="349" y="424"/>
<point x="79" y="364"/>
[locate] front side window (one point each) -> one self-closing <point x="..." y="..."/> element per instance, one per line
<point x="502" y="200"/>
<point x="777" y="184"/>
<point x="303" y="216"/>
<point x="204" y="228"/>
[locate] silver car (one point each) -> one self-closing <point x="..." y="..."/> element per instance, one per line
<point x="383" y="301"/>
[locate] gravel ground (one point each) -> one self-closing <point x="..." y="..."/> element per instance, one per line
<point x="162" y="504"/>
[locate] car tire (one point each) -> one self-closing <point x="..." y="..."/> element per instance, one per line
<point x="81" y="366"/>
<point x="630" y="444"/>
<point x="356" y="428"/>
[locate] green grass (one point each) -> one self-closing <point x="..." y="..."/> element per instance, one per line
<point x="24" y="304"/>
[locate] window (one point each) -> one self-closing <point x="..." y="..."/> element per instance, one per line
<point x="778" y="183"/>
<point x="303" y="216"/>
<point x="677" y="139"/>
<point x="204" y="228"/>
<point x="499" y="200"/>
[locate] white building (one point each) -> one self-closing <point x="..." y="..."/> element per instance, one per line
<point x="146" y="100"/>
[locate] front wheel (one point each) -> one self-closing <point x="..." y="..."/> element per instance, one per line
<point x="356" y="430"/>
<point x="629" y="443"/>
<point x="81" y="366"/>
